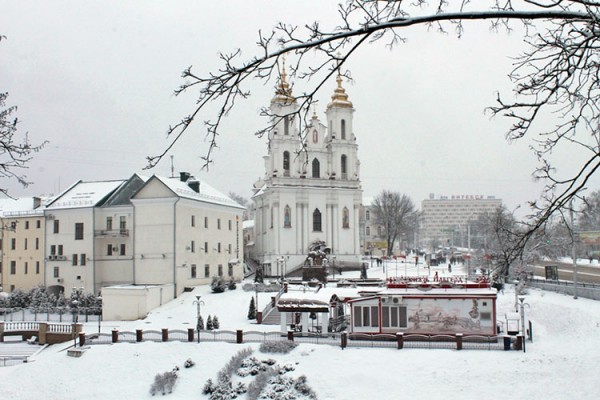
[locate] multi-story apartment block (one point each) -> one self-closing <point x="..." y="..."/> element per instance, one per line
<point x="22" y="243"/>
<point x="445" y="220"/>
<point x="140" y="231"/>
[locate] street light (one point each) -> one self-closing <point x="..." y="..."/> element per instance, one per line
<point x="74" y="305"/>
<point x="198" y="303"/>
<point x="522" y="307"/>
<point x="99" y="299"/>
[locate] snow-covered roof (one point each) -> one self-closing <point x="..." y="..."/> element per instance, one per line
<point x="322" y="296"/>
<point x="24" y="206"/>
<point x="84" y="194"/>
<point x="248" y="224"/>
<point x="206" y="192"/>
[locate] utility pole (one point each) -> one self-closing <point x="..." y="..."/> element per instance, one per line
<point x="573" y="255"/>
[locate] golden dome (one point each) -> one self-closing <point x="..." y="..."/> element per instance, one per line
<point x="283" y="92"/>
<point x="339" y="97"/>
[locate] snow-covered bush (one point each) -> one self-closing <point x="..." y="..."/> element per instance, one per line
<point x="209" y="323"/>
<point x="236" y="361"/>
<point x="259" y="383"/>
<point x="251" y="366"/>
<point x="215" y="323"/>
<point x="189" y="363"/>
<point x="218" y="285"/>
<point x="277" y="347"/>
<point x="164" y="383"/>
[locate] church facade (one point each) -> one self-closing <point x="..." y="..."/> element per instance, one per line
<point x="311" y="191"/>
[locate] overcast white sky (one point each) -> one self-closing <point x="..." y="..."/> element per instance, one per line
<point x="95" y="79"/>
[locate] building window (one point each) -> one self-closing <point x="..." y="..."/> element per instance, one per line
<point x="229" y="222"/>
<point x="206" y="247"/>
<point x="37" y="243"/>
<point x="74" y="259"/>
<point x="368" y="231"/>
<point x="37" y="267"/>
<point x="13" y="244"/>
<point x="316" y="168"/>
<point x="286" y="125"/>
<point x="82" y="259"/>
<point x="13" y="267"/>
<point x="26" y="267"/>
<point x="79" y="231"/>
<point x="53" y="249"/>
<point x="229" y="248"/>
<point x="393" y="317"/>
<point x="287" y="219"/>
<point x="219" y="247"/>
<point x="26" y="224"/>
<point x="345" y="218"/>
<point x="193" y="271"/>
<point x="286" y="163"/>
<point x="60" y="249"/>
<point x="230" y="270"/>
<point x="109" y="250"/>
<point x="343" y="129"/>
<point x="219" y="223"/>
<point x="317" y="220"/>
<point x="366" y="316"/>
<point x="38" y="224"/>
<point x="344" y="166"/>
<point x="220" y="270"/>
<point x="193" y="246"/>
<point x="56" y="273"/>
<point x="206" y="270"/>
<point x="193" y="222"/>
<point x="367" y="215"/>
<point x="122" y="222"/>
<point x="206" y="222"/>
<point x="109" y="223"/>
<point x="25" y="244"/>
<point x="123" y="248"/>
<point x="56" y="226"/>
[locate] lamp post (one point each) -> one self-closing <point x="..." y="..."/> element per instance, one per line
<point x="522" y="308"/>
<point x="99" y="299"/>
<point x="74" y="305"/>
<point x="198" y="303"/>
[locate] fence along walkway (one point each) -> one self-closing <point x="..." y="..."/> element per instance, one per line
<point x="398" y="341"/>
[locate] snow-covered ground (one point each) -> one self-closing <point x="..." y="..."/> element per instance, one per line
<point x="560" y="363"/>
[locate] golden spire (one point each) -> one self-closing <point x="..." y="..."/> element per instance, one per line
<point x="339" y="97"/>
<point x="283" y="92"/>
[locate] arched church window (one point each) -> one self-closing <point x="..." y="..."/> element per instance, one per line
<point x="316" y="168"/>
<point x="344" y="165"/>
<point x="286" y="125"/>
<point x="286" y="163"/>
<point x="287" y="217"/>
<point x="368" y="231"/>
<point x="271" y="215"/>
<point x="345" y="218"/>
<point x="315" y="136"/>
<point x="343" y="128"/>
<point x="317" y="220"/>
<point x="367" y="215"/>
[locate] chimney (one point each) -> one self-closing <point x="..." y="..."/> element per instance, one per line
<point x="184" y="176"/>
<point x="194" y="185"/>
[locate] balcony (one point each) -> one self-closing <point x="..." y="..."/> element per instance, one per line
<point x="111" y="233"/>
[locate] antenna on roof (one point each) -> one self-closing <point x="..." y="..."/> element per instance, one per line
<point x="172" y="168"/>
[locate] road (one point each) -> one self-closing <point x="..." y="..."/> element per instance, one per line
<point x="585" y="273"/>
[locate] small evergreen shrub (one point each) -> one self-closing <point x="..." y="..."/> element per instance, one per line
<point x="277" y="347"/>
<point x="164" y="383"/>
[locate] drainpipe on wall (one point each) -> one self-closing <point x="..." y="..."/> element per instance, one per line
<point x="174" y="247"/>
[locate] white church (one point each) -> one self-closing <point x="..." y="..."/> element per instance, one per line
<point x="311" y="191"/>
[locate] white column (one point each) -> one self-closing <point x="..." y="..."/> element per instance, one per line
<point x="324" y="323"/>
<point x="305" y="322"/>
<point x="283" y="321"/>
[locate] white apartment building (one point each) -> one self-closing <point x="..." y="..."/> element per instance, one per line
<point x="445" y="219"/>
